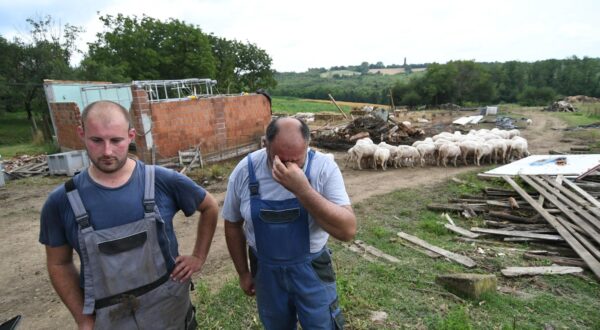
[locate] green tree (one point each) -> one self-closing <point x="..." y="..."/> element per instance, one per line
<point x="25" y="65"/>
<point x="133" y="48"/>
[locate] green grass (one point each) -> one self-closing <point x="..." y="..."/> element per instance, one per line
<point x="407" y="291"/>
<point x="292" y="105"/>
<point x="16" y="137"/>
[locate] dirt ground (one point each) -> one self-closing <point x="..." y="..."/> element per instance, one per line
<point x="24" y="285"/>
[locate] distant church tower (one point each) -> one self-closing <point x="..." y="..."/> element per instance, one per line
<point x="405" y="62"/>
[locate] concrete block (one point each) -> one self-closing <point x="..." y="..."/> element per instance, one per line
<point x="468" y="285"/>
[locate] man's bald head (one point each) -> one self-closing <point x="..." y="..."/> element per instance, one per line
<point x="105" y="111"/>
<point x="290" y="126"/>
<point x="288" y="139"/>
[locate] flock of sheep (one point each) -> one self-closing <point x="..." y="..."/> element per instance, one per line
<point x="495" y="145"/>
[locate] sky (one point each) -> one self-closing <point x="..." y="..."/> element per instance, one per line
<point x="299" y="35"/>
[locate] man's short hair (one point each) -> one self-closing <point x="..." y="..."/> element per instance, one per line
<point x="86" y="111"/>
<point x="273" y="129"/>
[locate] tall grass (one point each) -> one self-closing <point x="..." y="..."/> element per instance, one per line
<point x="292" y="105"/>
<point x="17" y="138"/>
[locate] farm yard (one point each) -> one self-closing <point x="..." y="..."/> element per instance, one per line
<point x="374" y="293"/>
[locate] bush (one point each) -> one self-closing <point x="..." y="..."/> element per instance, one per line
<point x="531" y="96"/>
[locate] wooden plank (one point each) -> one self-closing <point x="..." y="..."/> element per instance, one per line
<point x="576" y="203"/>
<point x="517" y="233"/>
<point x="557" y="184"/>
<point x="582" y="192"/>
<point x="337" y="106"/>
<point x="551" y="270"/>
<point x="585" y="242"/>
<point x="563" y="261"/>
<point x="376" y="252"/>
<point x="430" y="254"/>
<point x="463" y="260"/>
<point x="461" y="231"/>
<point x="576" y="219"/>
<point x="359" y="251"/>
<point x="589" y="259"/>
<point x="510" y="217"/>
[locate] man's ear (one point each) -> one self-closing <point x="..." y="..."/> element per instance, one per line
<point x="131" y="133"/>
<point x="81" y="132"/>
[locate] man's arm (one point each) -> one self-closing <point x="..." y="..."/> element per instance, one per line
<point x="236" y="244"/>
<point x="186" y="265"/>
<point x="65" y="280"/>
<point x="339" y="221"/>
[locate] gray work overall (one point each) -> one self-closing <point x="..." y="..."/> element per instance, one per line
<point x="126" y="282"/>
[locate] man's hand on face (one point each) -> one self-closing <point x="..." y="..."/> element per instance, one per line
<point x="289" y="175"/>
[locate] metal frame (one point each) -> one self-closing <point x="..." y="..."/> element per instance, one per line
<point x="170" y="90"/>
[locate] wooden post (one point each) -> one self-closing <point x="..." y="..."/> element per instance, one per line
<point x="338" y="107"/>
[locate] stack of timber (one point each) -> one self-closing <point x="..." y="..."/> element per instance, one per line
<point x="25" y="166"/>
<point x="577" y="220"/>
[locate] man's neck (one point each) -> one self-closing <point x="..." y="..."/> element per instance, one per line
<point x="114" y="179"/>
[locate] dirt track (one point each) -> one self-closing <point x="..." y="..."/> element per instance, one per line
<point x="24" y="285"/>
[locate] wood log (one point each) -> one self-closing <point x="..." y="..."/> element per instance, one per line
<point x="563" y="261"/>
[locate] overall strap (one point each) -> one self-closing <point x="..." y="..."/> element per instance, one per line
<point x="252" y="183"/>
<point x="149" y="190"/>
<point x="81" y="216"/>
<point x="311" y="155"/>
<point x="83" y="221"/>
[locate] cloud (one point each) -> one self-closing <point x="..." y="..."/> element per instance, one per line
<point x="314" y="33"/>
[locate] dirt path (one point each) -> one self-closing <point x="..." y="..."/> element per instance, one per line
<point x="24" y="285"/>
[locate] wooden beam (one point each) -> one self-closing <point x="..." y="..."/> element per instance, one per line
<point x="517" y="233"/>
<point x="338" y="107"/>
<point x="463" y="260"/>
<point x="589" y="259"/>
<point x="551" y="270"/>
<point x="554" y="200"/>
<point x="583" y="193"/>
<point x="376" y="252"/>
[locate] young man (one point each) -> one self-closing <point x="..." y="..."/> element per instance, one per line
<point x="284" y="201"/>
<point x="118" y="215"/>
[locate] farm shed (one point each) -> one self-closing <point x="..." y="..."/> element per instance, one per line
<point x="168" y="115"/>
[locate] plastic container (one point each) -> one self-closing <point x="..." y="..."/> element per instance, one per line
<point x="68" y="163"/>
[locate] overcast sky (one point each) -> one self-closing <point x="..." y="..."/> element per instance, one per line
<point x="322" y="33"/>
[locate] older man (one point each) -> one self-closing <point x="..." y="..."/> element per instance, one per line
<point x="118" y="215"/>
<point x="284" y="202"/>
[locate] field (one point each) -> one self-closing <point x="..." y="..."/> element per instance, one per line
<point x="385" y="203"/>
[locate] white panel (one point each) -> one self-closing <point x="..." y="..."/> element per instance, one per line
<point x="546" y="165"/>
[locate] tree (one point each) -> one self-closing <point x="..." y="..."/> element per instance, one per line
<point x="26" y="64"/>
<point x="148" y="49"/>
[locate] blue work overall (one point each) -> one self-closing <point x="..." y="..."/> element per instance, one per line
<point x="291" y="283"/>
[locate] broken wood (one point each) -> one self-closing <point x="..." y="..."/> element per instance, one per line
<point x="517" y="233"/>
<point x="461" y="231"/>
<point x="463" y="260"/>
<point x="589" y="259"/>
<point x="563" y="261"/>
<point x="551" y="270"/>
<point x="510" y="217"/>
<point x="359" y="251"/>
<point x="376" y="252"/>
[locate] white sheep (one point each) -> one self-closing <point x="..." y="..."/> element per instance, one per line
<point x="381" y="157"/>
<point x="362" y="152"/>
<point x="448" y="151"/>
<point x="529" y="122"/>
<point x="426" y="150"/>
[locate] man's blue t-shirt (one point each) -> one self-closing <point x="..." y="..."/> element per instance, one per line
<point x="110" y="207"/>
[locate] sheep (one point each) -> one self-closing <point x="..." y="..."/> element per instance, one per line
<point x="407" y="153"/>
<point x="362" y="152"/>
<point x="426" y="150"/>
<point x="381" y="157"/>
<point x="447" y="151"/>
<point x="514" y="132"/>
<point x="529" y="122"/>
<point x="483" y="150"/>
<point x="499" y="149"/>
<point x="519" y="148"/>
<point x="468" y="147"/>
<point x="393" y="151"/>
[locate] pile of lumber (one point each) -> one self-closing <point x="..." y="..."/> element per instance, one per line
<point x="550" y="211"/>
<point x="344" y="137"/>
<point x="561" y="106"/>
<point x="25" y="166"/>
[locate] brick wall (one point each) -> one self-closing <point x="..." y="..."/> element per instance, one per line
<point x="66" y="118"/>
<point x="216" y="123"/>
